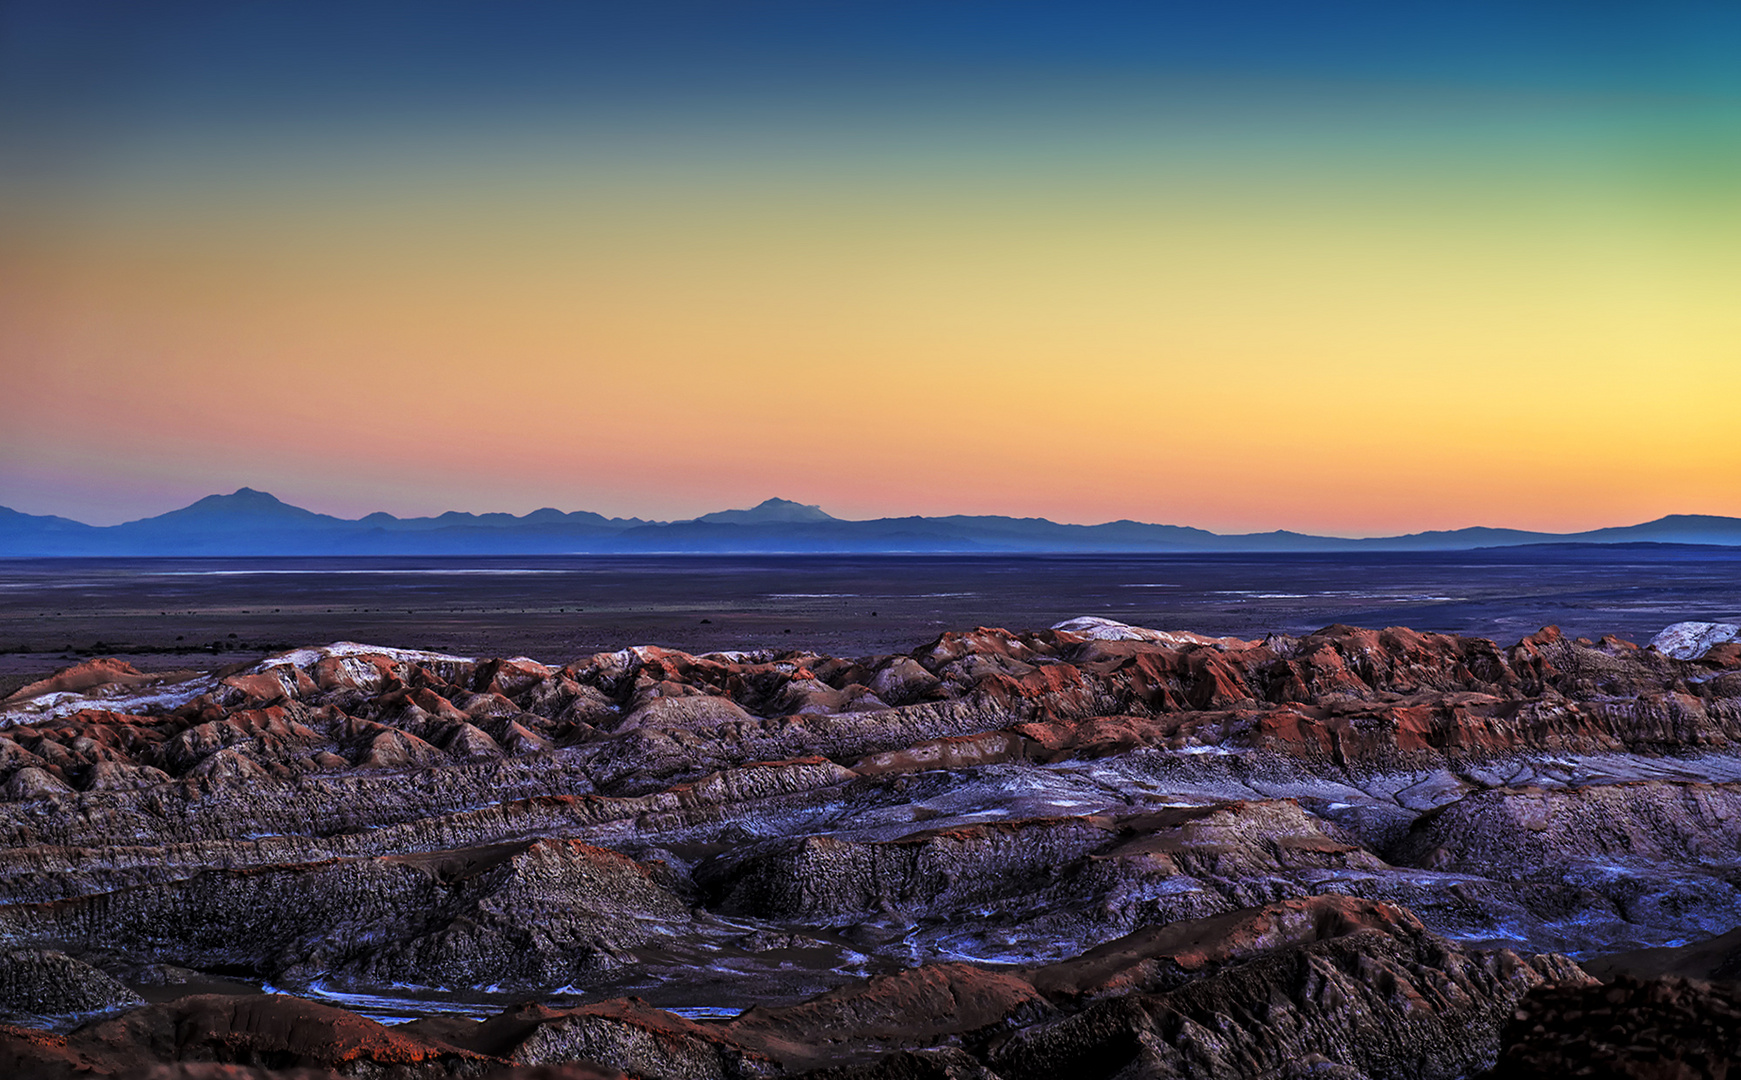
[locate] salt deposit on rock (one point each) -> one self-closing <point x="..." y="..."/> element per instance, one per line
<point x="1096" y="628"/>
<point x="1692" y="640"/>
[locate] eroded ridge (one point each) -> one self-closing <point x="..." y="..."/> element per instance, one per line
<point x="1085" y="850"/>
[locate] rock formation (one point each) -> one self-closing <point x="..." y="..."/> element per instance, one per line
<point x="1095" y="850"/>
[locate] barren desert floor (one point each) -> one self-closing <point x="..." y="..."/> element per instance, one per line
<point x="172" y="612"/>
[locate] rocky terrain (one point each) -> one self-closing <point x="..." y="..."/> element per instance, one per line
<point x="1095" y="850"/>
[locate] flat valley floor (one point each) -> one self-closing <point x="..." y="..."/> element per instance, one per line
<point x="181" y="613"/>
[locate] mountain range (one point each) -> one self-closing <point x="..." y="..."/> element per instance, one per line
<point x="249" y="522"/>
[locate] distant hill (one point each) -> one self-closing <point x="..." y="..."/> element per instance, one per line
<point x="249" y="522"/>
<point x="770" y="512"/>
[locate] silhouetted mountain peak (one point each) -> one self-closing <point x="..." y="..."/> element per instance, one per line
<point x="769" y="512"/>
<point x="251" y="522"/>
<point x="244" y="508"/>
<point x="242" y="500"/>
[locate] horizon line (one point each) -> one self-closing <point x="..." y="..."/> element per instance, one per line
<point x="697" y="519"/>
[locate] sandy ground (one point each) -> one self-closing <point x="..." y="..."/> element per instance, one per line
<point x="210" y="613"/>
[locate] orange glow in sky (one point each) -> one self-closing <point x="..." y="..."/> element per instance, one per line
<point x="1336" y="322"/>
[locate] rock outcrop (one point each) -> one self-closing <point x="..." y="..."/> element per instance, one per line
<point x="36" y="983"/>
<point x="1694" y="640"/>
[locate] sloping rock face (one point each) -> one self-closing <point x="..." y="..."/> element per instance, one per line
<point x="1096" y="850"/>
<point x="273" y="1032"/>
<point x="536" y="914"/>
<point x="1713" y="959"/>
<point x="45" y="982"/>
<point x="1249" y="996"/>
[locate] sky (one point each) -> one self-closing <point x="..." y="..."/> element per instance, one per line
<point x="1353" y="268"/>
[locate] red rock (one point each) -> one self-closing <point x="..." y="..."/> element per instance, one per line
<point x="911" y="1009"/>
<point x="957" y="752"/>
<point x="1157" y="956"/>
<point x="87" y="675"/>
<point x="289" y="1032"/>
